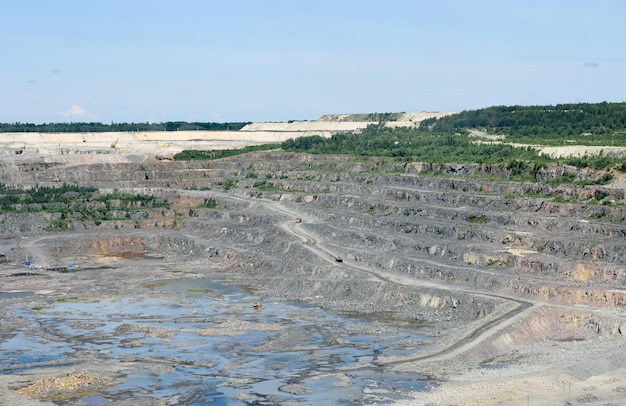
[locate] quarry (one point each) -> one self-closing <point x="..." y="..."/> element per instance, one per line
<point x="285" y="278"/>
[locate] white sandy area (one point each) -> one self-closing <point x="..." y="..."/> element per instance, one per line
<point x="582" y="150"/>
<point x="589" y="372"/>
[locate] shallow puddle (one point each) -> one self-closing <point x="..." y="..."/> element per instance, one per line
<point x="15" y="295"/>
<point x="202" y="342"/>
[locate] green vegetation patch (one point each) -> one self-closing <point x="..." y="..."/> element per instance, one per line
<point x="409" y="144"/>
<point x="204" y="155"/>
<point x="209" y="203"/>
<point x="67" y="299"/>
<point x="561" y="124"/>
<point x="73" y="202"/>
<point x="477" y="219"/>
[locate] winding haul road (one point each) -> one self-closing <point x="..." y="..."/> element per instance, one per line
<point x="491" y="324"/>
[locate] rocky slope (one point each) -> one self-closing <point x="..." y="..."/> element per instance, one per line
<point x="451" y="248"/>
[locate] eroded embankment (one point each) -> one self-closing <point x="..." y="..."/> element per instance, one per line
<point x="548" y="323"/>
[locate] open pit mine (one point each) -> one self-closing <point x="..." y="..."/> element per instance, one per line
<point x="282" y="278"/>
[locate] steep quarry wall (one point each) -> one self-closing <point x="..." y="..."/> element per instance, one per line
<point x="465" y="228"/>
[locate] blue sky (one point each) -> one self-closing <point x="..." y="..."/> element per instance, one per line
<point x="236" y="60"/>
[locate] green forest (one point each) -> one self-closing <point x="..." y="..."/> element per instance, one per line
<point x="581" y="123"/>
<point x="448" y="139"/>
<point x="417" y="145"/>
<point x="118" y="127"/>
<point x="410" y="145"/>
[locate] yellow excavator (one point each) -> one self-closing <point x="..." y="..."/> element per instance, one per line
<point x="115" y="143"/>
<point x="258" y="304"/>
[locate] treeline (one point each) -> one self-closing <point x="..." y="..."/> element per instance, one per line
<point x="576" y="123"/>
<point x="119" y="127"/>
<point x="409" y="144"/>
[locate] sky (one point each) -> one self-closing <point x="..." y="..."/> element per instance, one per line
<point x="277" y="60"/>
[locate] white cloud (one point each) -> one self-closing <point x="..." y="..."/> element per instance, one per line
<point x="77" y="112"/>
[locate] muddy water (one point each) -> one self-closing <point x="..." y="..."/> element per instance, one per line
<point x="200" y="342"/>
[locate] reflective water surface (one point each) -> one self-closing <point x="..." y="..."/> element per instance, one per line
<point x="204" y="343"/>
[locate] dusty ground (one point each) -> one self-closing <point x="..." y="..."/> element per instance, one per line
<point x="524" y="296"/>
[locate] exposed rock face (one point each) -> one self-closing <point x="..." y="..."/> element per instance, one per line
<point x="548" y="324"/>
<point x="462" y="229"/>
<point x="446" y="247"/>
